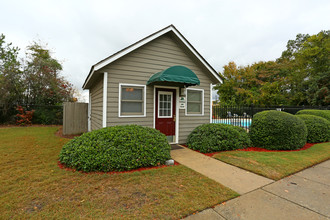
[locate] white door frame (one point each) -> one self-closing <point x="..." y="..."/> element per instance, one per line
<point x="176" y="110"/>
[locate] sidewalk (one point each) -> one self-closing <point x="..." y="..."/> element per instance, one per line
<point x="239" y="180"/>
<point x="304" y="195"/>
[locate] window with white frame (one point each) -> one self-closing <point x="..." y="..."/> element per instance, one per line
<point x="195" y="99"/>
<point x="131" y="100"/>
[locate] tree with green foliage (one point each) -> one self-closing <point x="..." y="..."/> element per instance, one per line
<point x="301" y="76"/>
<point x="44" y="85"/>
<point x="310" y="59"/>
<point x="11" y="86"/>
<point x="262" y="83"/>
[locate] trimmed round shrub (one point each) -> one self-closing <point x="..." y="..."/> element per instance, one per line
<point x="208" y="138"/>
<point x="318" y="129"/>
<point x="321" y="113"/>
<point x="116" y="148"/>
<point x="276" y="130"/>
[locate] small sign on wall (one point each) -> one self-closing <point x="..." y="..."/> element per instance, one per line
<point x="182" y="102"/>
<point x="182" y="105"/>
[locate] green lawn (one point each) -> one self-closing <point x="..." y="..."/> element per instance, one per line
<point x="276" y="165"/>
<point x="32" y="185"/>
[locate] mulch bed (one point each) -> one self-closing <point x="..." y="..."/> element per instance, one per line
<point x="305" y="147"/>
<point x="258" y="149"/>
<point x="59" y="133"/>
<point x="62" y="166"/>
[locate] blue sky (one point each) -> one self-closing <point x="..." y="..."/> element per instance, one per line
<point x="81" y="33"/>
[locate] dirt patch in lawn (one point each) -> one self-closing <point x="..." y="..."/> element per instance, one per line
<point x="59" y="133"/>
<point x="34" y="206"/>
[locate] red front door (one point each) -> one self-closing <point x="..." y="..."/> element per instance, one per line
<point x="165" y="112"/>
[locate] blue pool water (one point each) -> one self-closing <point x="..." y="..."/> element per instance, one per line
<point x="237" y="122"/>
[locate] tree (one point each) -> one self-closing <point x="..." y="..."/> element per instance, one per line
<point x="44" y="84"/>
<point x="301" y="76"/>
<point x="11" y="85"/>
<point x="262" y="83"/>
<point x="310" y="59"/>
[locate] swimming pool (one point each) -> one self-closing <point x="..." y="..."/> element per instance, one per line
<point x="243" y="122"/>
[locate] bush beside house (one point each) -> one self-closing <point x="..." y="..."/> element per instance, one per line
<point x="318" y="128"/>
<point x="276" y="130"/>
<point x="208" y="138"/>
<point x="321" y="113"/>
<point x="116" y="148"/>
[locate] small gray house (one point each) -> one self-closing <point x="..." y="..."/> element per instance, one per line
<point x="160" y="81"/>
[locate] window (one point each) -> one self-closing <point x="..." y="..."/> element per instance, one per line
<point x="195" y="99"/>
<point x="131" y="100"/>
<point x="165" y="104"/>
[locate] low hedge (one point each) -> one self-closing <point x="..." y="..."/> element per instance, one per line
<point x="276" y="130"/>
<point x="318" y="128"/>
<point x="321" y="113"/>
<point x="116" y="148"/>
<point x="208" y="138"/>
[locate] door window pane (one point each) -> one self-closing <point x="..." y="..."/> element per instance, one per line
<point x="165" y="104"/>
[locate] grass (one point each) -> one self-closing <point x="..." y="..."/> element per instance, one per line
<point x="276" y="165"/>
<point x="33" y="186"/>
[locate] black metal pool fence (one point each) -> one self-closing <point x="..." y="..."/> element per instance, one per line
<point x="242" y="115"/>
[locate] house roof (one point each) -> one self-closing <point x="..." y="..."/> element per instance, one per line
<point x="144" y="41"/>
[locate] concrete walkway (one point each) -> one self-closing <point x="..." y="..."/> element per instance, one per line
<point x="235" y="178"/>
<point x="305" y="195"/>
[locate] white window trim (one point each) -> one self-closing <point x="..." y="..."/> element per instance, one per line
<point x="165" y="93"/>
<point x="186" y="111"/>
<point x="144" y="101"/>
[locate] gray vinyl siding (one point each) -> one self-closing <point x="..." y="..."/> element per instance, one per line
<point x="96" y="104"/>
<point x="137" y="67"/>
<point x="188" y="123"/>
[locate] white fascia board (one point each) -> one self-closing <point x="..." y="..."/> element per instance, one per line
<point x="130" y="49"/>
<point x="215" y="74"/>
<point x="147" y="40"/>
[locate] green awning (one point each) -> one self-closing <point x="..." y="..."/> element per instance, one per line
<point x="175" y="74"/>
